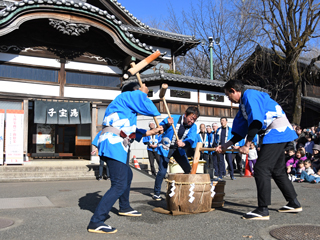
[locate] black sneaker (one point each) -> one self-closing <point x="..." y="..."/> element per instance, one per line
<point x="156" y="198"/>
<point x="291" y="207"/>
<point x="133" y="213"/>
<point x="99" y="178"/>
<point x="260" y="213"/>
<point x="100" y="228"/>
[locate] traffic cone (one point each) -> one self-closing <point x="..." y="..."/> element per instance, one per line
<point x="247" y="172"/>
<point x="136" y="164"/>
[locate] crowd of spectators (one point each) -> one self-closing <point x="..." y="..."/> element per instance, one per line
<point x="303" y="155"/>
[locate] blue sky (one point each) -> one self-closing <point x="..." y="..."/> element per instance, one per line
<point x="146" y="10"/>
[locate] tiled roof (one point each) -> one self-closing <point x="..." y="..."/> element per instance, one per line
<point x="161" y="33"/>
<point x="74" y="5"/>
<point x="145" y="29"/>
<point x="312" y="100"/>
<point x="301" y="60"/>
<point x="177" y="78"/>
<point x="162" y="76"/>
<point x="122" y="8"/>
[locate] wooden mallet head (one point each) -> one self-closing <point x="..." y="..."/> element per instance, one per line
<point x="163" y="90"/>
<point x="135" y="69"/>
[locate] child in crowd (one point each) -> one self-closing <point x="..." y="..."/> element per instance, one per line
<point x="307" y="173"/>
<point x="300" y="167"/>
<point x="315" y="159"/>
<point x="315" y="178"/>
<point x="304" y="151"/>
<point x="292" y="163"/>
<point x="252" y="157"/>
<point x="289" y="153"/>
<point x="309" y="145"/>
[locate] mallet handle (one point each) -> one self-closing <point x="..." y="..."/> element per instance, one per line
<point x="169" y="115"/>
<point x="196" y="158"/>
<point x="140" y="83"/>
<point x="213" y="149"/>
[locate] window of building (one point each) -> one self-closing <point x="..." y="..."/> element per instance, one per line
<point x="180" y="94"/>
<point x="84" y="131"/>
<point x="215" y="98"/>
<point x="101" y="112"/>
<point x="150" y="93"/>
<point x="92" y="79"/>
<point x="30" y="73"/>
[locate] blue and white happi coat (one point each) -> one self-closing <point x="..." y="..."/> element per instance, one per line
<point x="152" y="140"/>
<point x="168" y="137"/>
<point x="96" y="140"/>
<point x="205" y="141"/>
<point x="212" y="144"/>
<point x="122" y="114"/>
<point x="217" y="136"/>
<point x="255" y="105"/>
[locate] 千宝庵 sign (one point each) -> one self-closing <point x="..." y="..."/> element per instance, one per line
<point x="46" y="112"/>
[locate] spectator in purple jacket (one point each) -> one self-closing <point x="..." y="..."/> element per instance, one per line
<point x="292" y="162"/>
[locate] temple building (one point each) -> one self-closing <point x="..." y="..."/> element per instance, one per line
<point x="62" y="62"/>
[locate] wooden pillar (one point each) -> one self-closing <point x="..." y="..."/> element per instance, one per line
<point x="94" y="159"/>
<point x="62" y="76"/>
<point x="199" y="100"/>
<point x="25" y="127"/>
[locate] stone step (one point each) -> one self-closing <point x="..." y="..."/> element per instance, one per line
<point x="47" y="168"/>
<point x="48" y="171"/>
<point x="56" y="171"/>
<point x="47" y="175"/>
<point x="45" y="179"/>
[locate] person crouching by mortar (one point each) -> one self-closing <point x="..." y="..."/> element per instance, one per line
<point x="170" y="147"/>
<point x="119" y="129"/>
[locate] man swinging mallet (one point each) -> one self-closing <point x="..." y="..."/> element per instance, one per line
<point x="259" y="113"/>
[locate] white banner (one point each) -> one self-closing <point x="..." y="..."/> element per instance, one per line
<point x="1" y="134"/>
<point x="14" y="137"/>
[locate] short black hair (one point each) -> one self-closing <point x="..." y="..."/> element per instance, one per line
<point x="224" y="118"/>
<point x="193" y="110"/>
<point x="235" y="84"/>
<point x="129" y="87"/>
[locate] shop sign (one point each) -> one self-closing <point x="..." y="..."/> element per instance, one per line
<point x="1" y="134"/>
<point x="14" y="137"/>
<point x="48" y="112"/>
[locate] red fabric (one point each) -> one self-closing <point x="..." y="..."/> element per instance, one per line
<point x="131" y="136"/>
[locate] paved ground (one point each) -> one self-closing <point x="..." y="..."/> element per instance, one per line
<point x="74" y="201"/>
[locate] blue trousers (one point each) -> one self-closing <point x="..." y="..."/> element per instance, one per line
<point x="215" y="163"/>
<point x="101" y="168"/>
<point x="222" y="166"/>
<point x="309" y="178"/>
<point x="120" y="177"/>
<point x="163" y="166"/>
